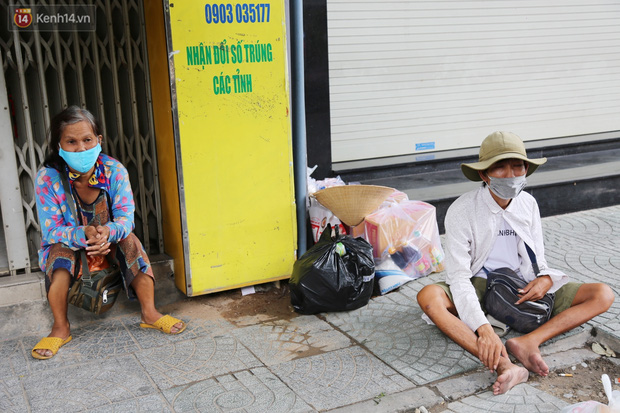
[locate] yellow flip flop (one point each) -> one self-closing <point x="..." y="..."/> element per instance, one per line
<point x="165" y="324"/>
<point x="49" y="343"/>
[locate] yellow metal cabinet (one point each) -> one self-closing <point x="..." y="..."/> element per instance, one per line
<point x="232" y="141"/>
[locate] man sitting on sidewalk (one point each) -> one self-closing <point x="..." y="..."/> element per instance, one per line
<point x="487" y="228"/>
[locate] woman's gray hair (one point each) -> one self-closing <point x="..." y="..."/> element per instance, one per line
<point x="71" y="115"/>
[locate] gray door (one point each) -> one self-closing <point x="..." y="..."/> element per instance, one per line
<point x="104" y="70"/>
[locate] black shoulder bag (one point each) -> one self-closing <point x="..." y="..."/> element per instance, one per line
<point x="502" y="293"/>
<point x="95" y="291"/>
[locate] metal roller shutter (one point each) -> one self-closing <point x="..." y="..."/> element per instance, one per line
<point x="410" y="77"/>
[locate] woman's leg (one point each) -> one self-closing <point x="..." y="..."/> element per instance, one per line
<point x="57" y="298"/>
<point x="144" y="286"/>
<point x="136" y="268"/>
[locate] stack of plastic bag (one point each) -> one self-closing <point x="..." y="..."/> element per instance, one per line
<point x="403" y="233"/>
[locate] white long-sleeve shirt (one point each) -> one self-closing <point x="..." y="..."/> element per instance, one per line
<point x="472" y="224"/>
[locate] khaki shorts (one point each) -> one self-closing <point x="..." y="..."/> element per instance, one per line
<point x="563" y="297"/>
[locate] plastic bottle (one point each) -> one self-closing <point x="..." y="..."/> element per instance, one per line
<point x="340" y="249"/>
<point x="397" y="257"/>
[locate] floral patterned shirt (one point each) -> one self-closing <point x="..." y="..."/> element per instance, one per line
<point x="58" y="224"/>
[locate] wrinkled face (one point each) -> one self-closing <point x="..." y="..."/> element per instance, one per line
<point x="78" y="137"/>
<point x="506" y="168"/>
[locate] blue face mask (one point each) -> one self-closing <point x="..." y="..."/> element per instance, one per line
<point x="81" y="161"/>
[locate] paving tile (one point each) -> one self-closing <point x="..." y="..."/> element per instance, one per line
<point x="95" y="341"/>
<point x="256" y="390"/>
<point x="278" y="341"/>
<point x="149" y="338"/>
<point x="340" y="378"/>
<point x="456" y="388"/>
<point x="398" y="336"/>
<point x="12" y="396"/>
<point x="12" y="359"/>
<point x="586" y="245"/>
<point x="88" y="385"/>
<point x="183" y="362"/>
<point x="405" y="401"/>
<point x="152" y="403"/>
<point x="521" y="398"/>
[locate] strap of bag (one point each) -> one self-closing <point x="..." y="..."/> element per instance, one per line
<point x="69" y="196"/>
<point x="533" y="259"/>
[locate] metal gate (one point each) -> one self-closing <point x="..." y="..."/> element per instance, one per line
<point x="104" y="71"/>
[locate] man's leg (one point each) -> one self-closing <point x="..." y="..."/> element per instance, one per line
<point x="590" y="301"/>
<point x="144" y="286"/>
<point x="435" y="303"/>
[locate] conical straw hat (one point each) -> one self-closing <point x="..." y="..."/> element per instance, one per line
<point x="351" y="203"/>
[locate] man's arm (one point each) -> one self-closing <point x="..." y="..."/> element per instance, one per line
<point x="459" y="238"/>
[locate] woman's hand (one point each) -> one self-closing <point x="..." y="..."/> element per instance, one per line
<point x="536" y="289"/>
<point x="490" y="347"/>
<point x="97" y="240"/>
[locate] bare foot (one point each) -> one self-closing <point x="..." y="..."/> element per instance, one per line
<point x="528" y="354"/>
<point x="508" y="377"/>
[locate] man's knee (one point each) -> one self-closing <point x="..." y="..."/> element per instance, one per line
<point x="600" y="294"/>
<point x="432" y="297"/>
<point x="605" y="295"/>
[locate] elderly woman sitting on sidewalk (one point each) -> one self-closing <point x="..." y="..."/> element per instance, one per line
<point x="101" y="190"/>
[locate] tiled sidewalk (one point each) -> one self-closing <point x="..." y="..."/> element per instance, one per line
<point x="379" y="358"/>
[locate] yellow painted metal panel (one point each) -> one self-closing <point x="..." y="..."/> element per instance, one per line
<point x="235" y="138"/>
<point x="164" y="137"/>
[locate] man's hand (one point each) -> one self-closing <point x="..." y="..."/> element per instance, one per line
<point x="97" y="240"/>
<point x="490" y="347"/>
<point x="536" y="289"/>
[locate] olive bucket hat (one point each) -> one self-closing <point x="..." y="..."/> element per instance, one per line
<point x="496" y="147"/>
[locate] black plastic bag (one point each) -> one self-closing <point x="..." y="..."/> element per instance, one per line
<point x="336" y="274"/>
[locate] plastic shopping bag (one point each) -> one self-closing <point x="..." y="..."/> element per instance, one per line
<point x="592" y="406"/>
<point x="320" y="218"/>
<point x="406" y="233"/>
<point x="336" y="274"/>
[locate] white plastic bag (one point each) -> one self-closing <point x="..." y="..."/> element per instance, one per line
<point x="320" y="217"/>
<point x="595" y="407"/>
<point x="389" y="276"/>
<point x="406" y="233"/>
<point x="612" y="396"/>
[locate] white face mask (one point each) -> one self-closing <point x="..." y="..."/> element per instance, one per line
<point x="507" y="188"/>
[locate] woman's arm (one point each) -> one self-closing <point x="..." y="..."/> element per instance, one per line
<point x="57" y="223"/>
<point x="123" y="206"/>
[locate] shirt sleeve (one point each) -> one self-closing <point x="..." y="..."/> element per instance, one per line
<point x="57" y="223"/>
<point x="123" y="206"/>
<point x="458" y="269"/>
